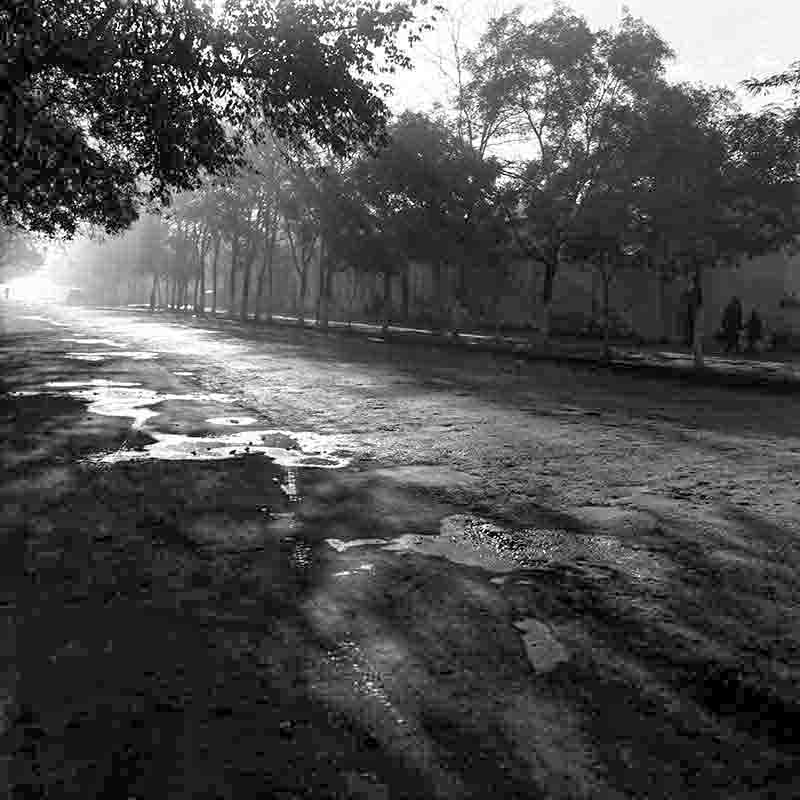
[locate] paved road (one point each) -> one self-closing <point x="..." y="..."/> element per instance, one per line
<point x="295" y="566"/>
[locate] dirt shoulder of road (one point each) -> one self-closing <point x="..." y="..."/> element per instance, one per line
<point x="771" y="371"/>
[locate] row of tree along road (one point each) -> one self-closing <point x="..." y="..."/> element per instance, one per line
<point x="263" y="140"/>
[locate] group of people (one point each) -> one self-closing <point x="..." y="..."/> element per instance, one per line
<point x="732" y="326"/>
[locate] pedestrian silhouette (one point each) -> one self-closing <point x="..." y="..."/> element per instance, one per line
<point x="732" y="325"/>
<point x="755" y="330"/>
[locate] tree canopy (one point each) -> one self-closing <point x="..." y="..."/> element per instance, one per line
<point x="105" y="104"/>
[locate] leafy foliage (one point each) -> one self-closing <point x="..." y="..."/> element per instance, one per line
<point x="431" y="190"/>
<point x="102" y="103"/>
<point x="569" y="93"/>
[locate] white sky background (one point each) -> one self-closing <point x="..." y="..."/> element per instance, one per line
<point x="716" y="42"/>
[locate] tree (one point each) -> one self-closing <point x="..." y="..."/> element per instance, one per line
<point x="565" y="90"/>
<point x="428" y="194"/>
<point x="788" y="80"/>
<point x="106" y="103"/>
<point x="714" y="184"/>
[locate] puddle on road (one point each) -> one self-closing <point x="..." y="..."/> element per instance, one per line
<point x="47" y="319"/>
<point x="123" y="398"/>
<point x="86" y="340"/>
<point x="135" y="355"/>
<point x="184" y="373"/>
<point x="286" y="448"/>
<point x="544" y="651"/>
<point x="341" y="546"/>
<point x="121" y="401"/>
<point x="232" y="420"/>
<point x="91" y="357"/>
<point x="476" y="542"/>
<point x="93" y="382"/>
<point x="361" y="568"/>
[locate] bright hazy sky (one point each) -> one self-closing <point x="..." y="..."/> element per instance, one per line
<point x="718" y="42"/>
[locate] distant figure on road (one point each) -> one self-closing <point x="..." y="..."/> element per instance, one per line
<point x="732" y="325"/>
<point x="8" y="292"/>
<point x="755" y="331"/>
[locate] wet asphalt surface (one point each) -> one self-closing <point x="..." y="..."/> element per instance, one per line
<point x="290" y="565"/>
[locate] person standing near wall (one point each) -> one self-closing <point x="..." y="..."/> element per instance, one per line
<point x="754" y="330"/>
<point x="732" y="324"/>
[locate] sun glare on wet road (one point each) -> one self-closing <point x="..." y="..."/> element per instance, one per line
<point x="36" y="289"/>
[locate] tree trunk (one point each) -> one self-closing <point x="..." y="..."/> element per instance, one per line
<point x="606" y="277"/>
<point x="269" y="279"/>
<point x="387" y="301"/>
<point x="405" y="288"/>
<point x="323" y="298"/>
<point x="248" y="268"/>
<point x="543" y="323"/>
<point x="351" y="300"/>
<point x="202" y="310"/>
<point x="266" y="265"/>
<point x="232" y="287"/>
<point x="699" y="319"/>
<point x="259" y="293"/>
<point x="301" y="309"/>
<point x="438" y="303"/>
<point x="153" y="292"/>
<point x="661" y="304"/>
<point x="217" y="244"/>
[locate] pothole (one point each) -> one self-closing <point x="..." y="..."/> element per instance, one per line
<point x="476" y="542"/>
<point x="544" y="651"/>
